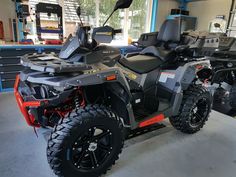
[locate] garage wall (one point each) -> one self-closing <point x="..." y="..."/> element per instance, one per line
<point x="208" y="10"/>
<point x="7" y="11"/>
<point x="69" y="26"/>
<point x="164" y="8"/>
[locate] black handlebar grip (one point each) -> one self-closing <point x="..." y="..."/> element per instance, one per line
<point x="118" y="31"/>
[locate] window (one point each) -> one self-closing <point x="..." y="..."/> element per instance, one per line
<point x="138" y="18"/>
<point x="134" y="21"/>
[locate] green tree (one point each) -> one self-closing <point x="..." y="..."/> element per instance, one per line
<point x="88" y="7"/>
<point x="105" y="9"/>
<point x="138" y="11"/>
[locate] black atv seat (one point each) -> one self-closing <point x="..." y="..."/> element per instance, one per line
<point x="141" y="63"/>
<point x="152" y="57"/>
<point x="146" y="61"/>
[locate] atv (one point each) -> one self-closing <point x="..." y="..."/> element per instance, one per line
<point x="224" y="72"/>
<point x="221" y="53"/>
<point x="93" y="96"/>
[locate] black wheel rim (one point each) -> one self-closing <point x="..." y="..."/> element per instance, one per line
<point x="92" y="148"/>
<point x="199" y="112"/>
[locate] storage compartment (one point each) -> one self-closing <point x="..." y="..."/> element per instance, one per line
<point x="11" y="68"/>
<point x="15" y="52"/>
<point x="10" y="57"/>
<point x="179" y="12"/>
<point x="148" y="39"/>
<point x="56" y="51"/>
<point x="9" y="60"/>
<point x="7" y="84"/>
<point x="8" y="75"/>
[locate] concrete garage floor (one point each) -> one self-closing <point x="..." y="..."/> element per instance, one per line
<point x="163" y="153"/>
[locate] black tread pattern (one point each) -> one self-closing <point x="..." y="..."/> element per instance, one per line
<point x="190" y="97"/>
<point x="65" y="127"/>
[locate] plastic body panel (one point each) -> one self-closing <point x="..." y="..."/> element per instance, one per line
<point x="171" y="83"/>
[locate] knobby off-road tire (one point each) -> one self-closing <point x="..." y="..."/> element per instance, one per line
<point x="87" y="143"/>
<point x="194" y="110"/>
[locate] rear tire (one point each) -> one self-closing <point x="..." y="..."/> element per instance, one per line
<point x="194" y="110"/>
<point x="86" y="144"/>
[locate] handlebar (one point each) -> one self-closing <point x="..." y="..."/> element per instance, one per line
<point x="116" y="31"/>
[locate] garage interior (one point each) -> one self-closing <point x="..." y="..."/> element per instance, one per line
<point x="42" y="27"/>
<point x="166" y="151"/>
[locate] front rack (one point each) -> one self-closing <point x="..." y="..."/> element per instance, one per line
<point x="51" y="63"/>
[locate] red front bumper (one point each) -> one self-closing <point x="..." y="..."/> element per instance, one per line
<point x="30" y="119"/>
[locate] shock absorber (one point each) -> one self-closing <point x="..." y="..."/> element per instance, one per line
<point x="77" y="102"/>
<point x="79" y="99"/>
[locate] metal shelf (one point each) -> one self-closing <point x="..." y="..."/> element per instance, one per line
<point x="52" y="31"/>
<point x="10" y="62"/>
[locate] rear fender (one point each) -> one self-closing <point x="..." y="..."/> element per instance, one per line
<point x="195" y="70"/>
<point x="176" y="81"/>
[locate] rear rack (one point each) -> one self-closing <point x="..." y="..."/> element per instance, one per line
<point x="51" y="63"/>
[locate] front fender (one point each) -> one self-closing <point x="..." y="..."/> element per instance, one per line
<point x="64" y="81"/>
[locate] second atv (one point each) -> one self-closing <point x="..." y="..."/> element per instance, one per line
<point x="92" y="95"/>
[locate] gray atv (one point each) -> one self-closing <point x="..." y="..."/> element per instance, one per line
<point x="93" y="96"/>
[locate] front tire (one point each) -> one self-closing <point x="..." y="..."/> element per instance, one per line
<point x="194" y="110"/>
<point x="86" y="143"/>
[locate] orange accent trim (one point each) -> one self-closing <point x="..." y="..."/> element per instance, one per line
<point x="32" y="103"/>
<point x="153" y="120"/>
<point x="111" y="77"/>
